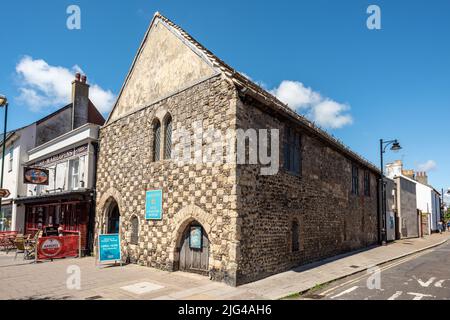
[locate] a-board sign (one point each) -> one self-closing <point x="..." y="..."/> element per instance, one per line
<point x="109" y="248"/>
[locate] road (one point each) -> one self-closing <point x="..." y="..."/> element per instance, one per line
<point x="423" y="276"/>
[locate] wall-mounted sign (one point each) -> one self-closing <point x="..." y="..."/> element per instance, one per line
<point x="109" y="248"/>
<point x="35" y="176"/>
<point x="153" y="205"/>
<point x="195" y="237"/>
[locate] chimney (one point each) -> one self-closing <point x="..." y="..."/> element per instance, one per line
<point x="80" y="101"/>
<point x="394" y="169"/>
<point x="422" y="177"/>
<point x="409" y="173"/>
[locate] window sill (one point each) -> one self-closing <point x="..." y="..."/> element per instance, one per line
<point x="291" y="173"/>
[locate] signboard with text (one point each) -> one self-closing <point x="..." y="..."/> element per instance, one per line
<point x="195" y="237"/>
<point x="153" y="205"/>
<point x="58" y="247"/>
<point x="109" y="248"/>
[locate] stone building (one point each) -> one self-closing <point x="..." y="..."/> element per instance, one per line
<point x="234" y="221"/>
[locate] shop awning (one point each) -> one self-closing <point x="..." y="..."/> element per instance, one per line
<point x="78" y="195"/>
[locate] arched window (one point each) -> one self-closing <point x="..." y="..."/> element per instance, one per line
<point x="157" y="141"/>
<point x="295" y="236"/>
<point x="134" y="238"/>
<point x="168" y="139"/>
<point x="114" y="219"/>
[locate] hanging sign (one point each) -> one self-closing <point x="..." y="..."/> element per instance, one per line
<point x="153" y="205"/>
<point x="195" y="237"/>
<point x="109" y="248"/>
<point x="35" y="176"/>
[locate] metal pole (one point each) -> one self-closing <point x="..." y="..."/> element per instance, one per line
<point x="383" y="197"/>
<point x="3" y="152"/>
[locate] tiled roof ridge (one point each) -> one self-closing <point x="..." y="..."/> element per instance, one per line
<point x="243" y="81"/>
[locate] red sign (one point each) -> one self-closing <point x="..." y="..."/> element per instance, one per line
<point x="57" y="247"/>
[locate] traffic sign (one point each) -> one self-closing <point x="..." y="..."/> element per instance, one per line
<point x="4" y="193"/>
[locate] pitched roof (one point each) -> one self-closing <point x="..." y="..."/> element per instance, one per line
<point x="242" y="82"/>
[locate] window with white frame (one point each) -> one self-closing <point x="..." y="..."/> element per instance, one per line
<point x="74" y="173"/>
<point x="11" y="159"/>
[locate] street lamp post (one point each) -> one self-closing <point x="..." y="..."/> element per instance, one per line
<point x="383" y="146"/>
<point x="3" y="103"/>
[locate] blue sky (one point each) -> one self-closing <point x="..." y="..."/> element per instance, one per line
<point x="395" y="81"/>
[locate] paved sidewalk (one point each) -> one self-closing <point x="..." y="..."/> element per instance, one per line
<point x="47" y="280"/>
<point x="20" y="279"/>
<point x="307" y="277"/>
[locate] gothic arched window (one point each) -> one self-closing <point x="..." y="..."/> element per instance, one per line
<point x="134" y="238"/>
<point x="168" y="138"/>
<point x="295" y="234"/>
<point x="157" y="141"/>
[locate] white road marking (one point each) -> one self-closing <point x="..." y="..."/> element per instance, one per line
<point x="425" y="284"/>
<point x="419" y="296"/>
<point x="345" y="292"/>
<point x="394" y="264"/>
<point x="440" y="283"/>
<point x="396" y="295"/>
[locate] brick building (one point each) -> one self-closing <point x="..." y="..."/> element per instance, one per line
<point x="223" y="218"/>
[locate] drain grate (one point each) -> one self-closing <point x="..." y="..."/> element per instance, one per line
<point x="94" y="298"/>
<point x="354" y="267"/>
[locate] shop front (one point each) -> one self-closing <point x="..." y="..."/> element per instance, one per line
<point x="70" y="213"/>
<point x="6" y="217"/>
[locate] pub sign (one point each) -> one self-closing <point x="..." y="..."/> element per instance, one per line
<point x="35" y="176"/>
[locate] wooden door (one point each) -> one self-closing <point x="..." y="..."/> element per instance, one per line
<point x="194" y="257"/>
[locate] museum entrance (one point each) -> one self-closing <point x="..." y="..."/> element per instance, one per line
<point x="194" y="249"/>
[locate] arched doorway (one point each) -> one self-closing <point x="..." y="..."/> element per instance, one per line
<point x="194" y="249"/>
<point x="113" y="220"/>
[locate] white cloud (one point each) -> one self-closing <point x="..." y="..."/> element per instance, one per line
<point x="430" y="165"/>
<point x="43" y="85"/>
<point x="324" y="111"/>
<point x="330" y="114"/>
<point x="102" y="99"/>
<point x="296" y="95"/>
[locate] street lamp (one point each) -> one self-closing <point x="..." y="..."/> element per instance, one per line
<point x="3" y="103"/>
<point x="395" y="146"/>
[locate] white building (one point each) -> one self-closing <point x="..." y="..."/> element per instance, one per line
<point x="428" y="200"/>
<point x="18" y="142"/>
<point x="64" y="144"/>
<point x="67" y="200"/>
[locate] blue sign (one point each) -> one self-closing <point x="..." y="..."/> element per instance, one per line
<point x="153" y="205"/>
<point x="109" y="247"/>
<point x="195" y="237"/>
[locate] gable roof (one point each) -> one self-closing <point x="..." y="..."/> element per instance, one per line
<point x="242" y="82"/>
